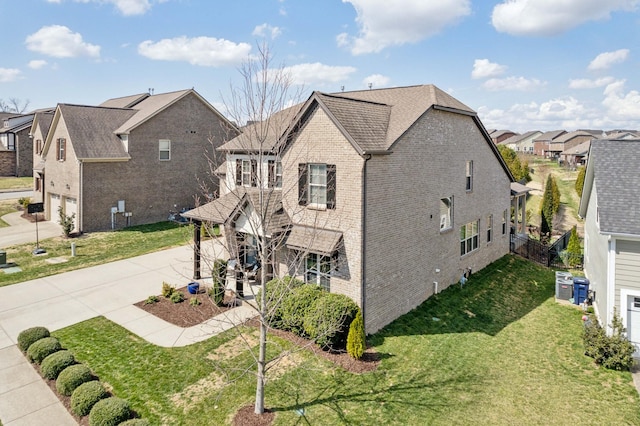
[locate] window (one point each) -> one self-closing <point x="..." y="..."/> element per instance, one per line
<point x="11" y="143"/>
<point x="489" y="228"/>
<point x="318" y="270"/>
<point x="165" y="149"/>
<point x="446" y="213"/>
<point x="275" y="174"/>
<point x="504" y="222"/>
<point x="39" y="146"/>
<point x="247" y="250"/>
<point x="469" y="176"/>
<point x="246" y="173"/>
<point x="469" y="237"/>
<point x="317" y="185"/>
<point x="61" y="149"/>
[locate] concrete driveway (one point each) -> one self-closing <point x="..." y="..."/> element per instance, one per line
<point x="22" y="231"/>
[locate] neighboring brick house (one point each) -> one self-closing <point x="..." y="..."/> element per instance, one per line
<point x="610" y="205"/>
<point x="386" y="196"/>
<point x="16" y="150"/>
<point x="522" y="143"/>
<point x="568" y="140"/>
<point x="542" y="143"/>
<point x="129" y="161"/>
<point x="499" y="136"/>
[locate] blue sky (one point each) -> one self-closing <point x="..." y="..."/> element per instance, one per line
<point x="522" y="64"/>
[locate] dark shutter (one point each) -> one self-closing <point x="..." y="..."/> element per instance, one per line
<point x="271" y="165"/>
<point x="254" y="172"/>
<point x="238" y="172"/>
<point x="63" y="142"/>
<point x="58" y="149"/>
<point x="302" y="184"/>
<point x="331" y="186"/>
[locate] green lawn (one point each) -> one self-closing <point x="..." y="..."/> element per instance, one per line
<point x="16" y="183"/>
<point x="6" y="207"/>
<point x="498" y="351"/>
<point x="93" y="249"/>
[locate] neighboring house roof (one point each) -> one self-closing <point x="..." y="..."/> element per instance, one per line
<point x="43" y="119"/>
<point x="125" y="101"/>
<point x="309" y="238"/>
<point x="91" y="130"/>
<point x="580" y="149"/>
<point x="570" y="135"/>
<point x="519" y="189"/>
<point x="498" y="133"/>
<point x="623" y="134"/>
<point x="519" y="138"/>
<point x="613" y="167"/>
<point x="549" y="136"/>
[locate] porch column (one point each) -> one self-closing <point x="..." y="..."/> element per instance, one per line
<point x="197" y="225"/>
<point x="516" y="214"/>
<point x="524" y="213"/>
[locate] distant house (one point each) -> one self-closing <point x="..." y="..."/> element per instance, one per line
<point x="610" y="204"/>
<point x="577" y="155"/>
<point x="387" y="196"/>
<point x="39" y="130"/>
<point x="522" y="143"/>
<point x="542" y="143"/>
<point x="16" y="151"/>
<point x="568" y="140"/>
<point x="129" y="161"/>
<point x="499" y="136"/>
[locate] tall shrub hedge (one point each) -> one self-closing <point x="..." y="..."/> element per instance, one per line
<point x="328" y="320"/>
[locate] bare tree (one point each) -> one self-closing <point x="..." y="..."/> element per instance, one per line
<point x="14" y="105"/>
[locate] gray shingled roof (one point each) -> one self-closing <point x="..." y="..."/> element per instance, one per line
<point x="91" y="130"/>
<point x="149" y="107"/>
<point x="44" y="119"/>
<point x="551" y="135"/>
<point x="315" y="240"/>
<point x="568" y="136"/>
<point x="615" y="167"/>
<point x="580" y="149"/>
<point x="125" y="101"/>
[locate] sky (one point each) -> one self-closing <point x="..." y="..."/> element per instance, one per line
<point x="521" y="64"/>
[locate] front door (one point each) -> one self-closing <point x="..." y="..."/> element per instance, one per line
<point x="633" y="322"/>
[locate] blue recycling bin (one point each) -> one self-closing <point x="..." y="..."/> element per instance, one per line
<point x="580" y="290"/>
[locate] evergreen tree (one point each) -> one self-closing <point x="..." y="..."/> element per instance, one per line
<point x="519" y="169"/>
<point x="580" y="180"/>
<point x="574" y="249"/>
<point x="556" y="194"/>
<point x="356" y="338"/>
<point x="546" y="211"/>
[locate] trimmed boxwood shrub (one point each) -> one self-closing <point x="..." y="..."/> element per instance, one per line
<point x="297" y="304"/>
<point x="55" y="363"/>
<point x="31" y="335"/>
<point x="43" y="348"/>
<point x="356" y="339"/>
<point x="278" y="289"/>
<point x="85" y="396"/>
<point x="109" y="412"/>
<point x="136" y="422"/>
<point x="328" y="320"/>
<point x="72" y="377"/>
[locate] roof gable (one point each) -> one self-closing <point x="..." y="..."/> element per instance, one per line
<point x="125" y="101"/>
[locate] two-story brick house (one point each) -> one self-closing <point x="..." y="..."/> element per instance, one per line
<point x="387" y="196"/>
<point x="130" y="160"/>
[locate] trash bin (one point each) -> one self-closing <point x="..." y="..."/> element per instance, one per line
<point x="3" y="257"/>
<point x="580" y="290"/>
<point x="564" y="285"/>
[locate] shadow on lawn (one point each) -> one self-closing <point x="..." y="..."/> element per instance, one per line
<point x="493" y="298"/>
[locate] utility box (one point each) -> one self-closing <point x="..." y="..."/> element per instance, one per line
<point x="580" y="290"/>
<point x="3" y="257"/>
<point x="564" y="285"/>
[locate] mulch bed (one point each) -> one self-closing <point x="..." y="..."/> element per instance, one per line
<point x="32" y="217"/>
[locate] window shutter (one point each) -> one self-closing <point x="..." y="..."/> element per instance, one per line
<point x="58" y="149"/>
<point x="331" y="186"/>
<point x="271" y="165"/>
<point x="254" y="172"/>
<point x="238" y="172"/>
<point x="302" y="184"/>
<point x="63" y="142"/>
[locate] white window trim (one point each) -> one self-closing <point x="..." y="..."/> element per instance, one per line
<point x="161" y="150"/>
<point x="470" y="237"/>
<point x="321" y="186"/>
<point x="489" y="229"/>
<point x="446" y="220"/>
<point x="318" y="274"/>
<point x="469" y="176"/>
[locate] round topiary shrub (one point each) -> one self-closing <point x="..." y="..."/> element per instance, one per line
<point x="297" y="304"/>
<point x="136" y="422"/>
<point x="72" y="377"/>
<point x="43" y="348"/>
<point x="55" y="363"/>
<point x="109" y="412"/>
<point x="328" y="320"/>
<point x="85" y="396"/>
<point x="27" y="337"/>
<point x="278" y="289"/>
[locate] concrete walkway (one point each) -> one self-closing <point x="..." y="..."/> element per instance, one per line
<point x="22" y="231"/>
<point x="110" y="290"/>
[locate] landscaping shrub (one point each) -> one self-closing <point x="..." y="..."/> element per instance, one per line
<point x="176" y="297"/>
<point x="151" y="300"/>
<point x="218" y="272"/>
<point x="614" y="352"/>
<point x="109" y="412"/>
<point x="136" y="422"/>
<point x="296" y="305"/>
<point x="328" y="320"/>
<point x="55" y="363"/>
<point x="85" y="396"/>
<point x="167" y="290"/>
<point x="194" y="301"/>
<point x="278" y="289"/>
<point x="43" y="348"/>
<point x="356" y="339"/>
<point x="31" y="335"/>
<point x="72" y="377"/>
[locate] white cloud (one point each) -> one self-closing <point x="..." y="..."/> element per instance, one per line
<point x="376" y="80"/>
<point x="585" y="83"/>
<point x="58" y="41"/>
<point x="605" y="60"/>
<point x="8" y="75"/>
<point x="620" y="105"/>
<point x="382" y="23"/>
<point x="317" y="73"/>
<point x="204" y="51"/>
<point x="36" y="64"/>
<point x="126" y="7"/>
<point x="483" y="68"/>
<point x="513" y="83"/>
<point x="266" y="30"/>
<point x="549" y="17"/>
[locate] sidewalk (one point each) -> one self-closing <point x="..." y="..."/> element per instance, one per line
<point x="61" y="300"/>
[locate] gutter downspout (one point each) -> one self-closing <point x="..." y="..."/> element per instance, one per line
<point x="363" y="269"/>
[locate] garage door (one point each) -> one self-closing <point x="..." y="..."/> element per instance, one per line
<point x="633" y="321"/>
<point x="71" y="208"/>
<point x="54" y="204"/>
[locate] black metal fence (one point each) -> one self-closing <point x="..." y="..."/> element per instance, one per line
<point x="534" y="250"/>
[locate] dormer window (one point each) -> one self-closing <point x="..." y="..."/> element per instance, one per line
<point x="125" y="142"/>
